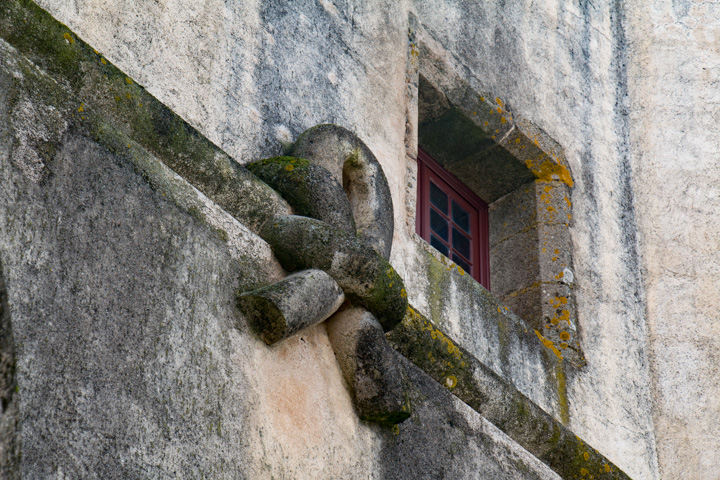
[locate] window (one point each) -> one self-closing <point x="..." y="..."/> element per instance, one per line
<point x="453" y="219"/>
<point x="519" y="172"/>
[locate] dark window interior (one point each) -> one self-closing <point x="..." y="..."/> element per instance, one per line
<point x="453" y="219"/>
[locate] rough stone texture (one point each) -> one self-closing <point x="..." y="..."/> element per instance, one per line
<point x="291" y="305"/>
<point x="9" y="428"/>
<point x="309" y="188"/>
<point x="121" y="290"/>
<point x="674" y="62"/>
<point x="627" y="89"/>
<point x="560" y="66"/>
<point x="365" y="277"/>
<point x="368" y="365"/>
<point x="353" y="164"/>
<point x="503" y="405"/>
<point x="443" y="428"/>
<point x="531" y="260"/>
<point x="95" y="84"/>
<point x="132" y="358"/>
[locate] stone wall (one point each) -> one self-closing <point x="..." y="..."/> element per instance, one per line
<point x="132" y="359"/>
<point x="614" y="90"/>
<point x="673" y="94"/>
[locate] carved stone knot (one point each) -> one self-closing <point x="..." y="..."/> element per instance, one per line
<point x="338" y="244"/>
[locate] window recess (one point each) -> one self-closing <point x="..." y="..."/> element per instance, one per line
<point x="453" y="219"/>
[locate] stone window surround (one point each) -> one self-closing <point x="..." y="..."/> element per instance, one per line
<point x="430" y="172"/>
<point x="530" y="209"/>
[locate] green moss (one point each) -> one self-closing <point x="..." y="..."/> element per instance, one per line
<point x="388" y="419"/>
<point x="365" y="277"/>
<point x="289" y="176"/>
<point x="438" y="278"/>
<point x="491" y="396"/>
<point x="100" y="86"/>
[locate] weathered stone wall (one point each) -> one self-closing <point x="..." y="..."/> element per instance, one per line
<point x="252" y="76"/>
<point x="673" y="90"/>
<point x="132" y="359"/>
<point x="560" y="65"/>
<point x="620" y="87"/>
<point x="9" y="431"/>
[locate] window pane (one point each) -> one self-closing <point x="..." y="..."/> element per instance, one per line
<point x="462" y="264"/>
<point x="442" y="248"/>
<point x="460" y="217"/>
<point x="438" y="224"/>
<point x="438" y="198"/>
<point x="461" y="243"/>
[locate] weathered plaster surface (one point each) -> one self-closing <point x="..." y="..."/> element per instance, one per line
<point x="133" y="361"/>
<point x="673" y="80"/>
<point x="559" y="64"/>
<point x="253" y="75"/>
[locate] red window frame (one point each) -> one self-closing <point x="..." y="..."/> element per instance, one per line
<point x="429" y="171"/>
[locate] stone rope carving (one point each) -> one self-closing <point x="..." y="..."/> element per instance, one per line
<point x="338" y="245"/>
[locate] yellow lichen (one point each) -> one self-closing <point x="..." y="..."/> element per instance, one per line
<point x="547" y="169"/>
<point x="69" y="38"/>
<point x="549" y="344"/>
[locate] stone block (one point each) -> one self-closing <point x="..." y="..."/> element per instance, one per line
<point x="512" y="213"/>
<point x="554" y="252"/>
<point x="368" y="366"/>
<point x="514" y="263"/>
<point x="299" y="301"/>
<point x="525" y="303"/>
<point x="553" y="203"/>
<point x="365" y="277"/>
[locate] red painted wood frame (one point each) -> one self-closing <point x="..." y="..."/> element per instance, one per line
<point x="449" y="229"/>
